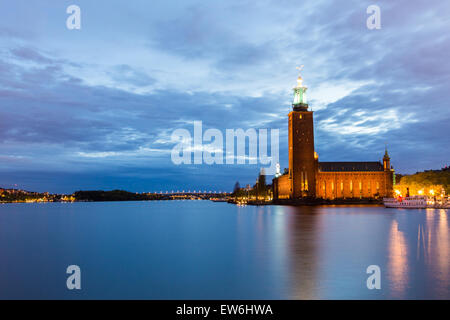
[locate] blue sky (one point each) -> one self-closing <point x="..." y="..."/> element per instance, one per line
<point x="94" y="108"/>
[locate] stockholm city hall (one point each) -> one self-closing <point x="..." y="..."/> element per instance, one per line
<point x="310" y="178"/>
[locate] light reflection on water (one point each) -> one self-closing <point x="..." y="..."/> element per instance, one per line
<point x="205" y="250"/>
<point x="397" y="265"/>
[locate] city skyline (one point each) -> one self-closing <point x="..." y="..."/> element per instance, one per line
<point x="95" y="108"/>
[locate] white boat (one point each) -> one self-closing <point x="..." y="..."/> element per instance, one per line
<point x="414" y="202"/>
<point x="440" y="204"/>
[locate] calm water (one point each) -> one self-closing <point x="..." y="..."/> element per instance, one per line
<point x="206" y="250"/>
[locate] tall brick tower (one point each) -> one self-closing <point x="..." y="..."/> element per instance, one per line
<point x="302" y="165"/>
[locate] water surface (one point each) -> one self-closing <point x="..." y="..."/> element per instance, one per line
<point x="206" y="250"/>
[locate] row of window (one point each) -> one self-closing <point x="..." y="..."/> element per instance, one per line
<point x="359" y="186"/>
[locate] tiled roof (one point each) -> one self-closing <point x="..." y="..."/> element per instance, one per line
<point x="350" y="166"/>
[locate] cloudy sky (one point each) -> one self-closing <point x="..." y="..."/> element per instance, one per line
<point x="95" y="108"/>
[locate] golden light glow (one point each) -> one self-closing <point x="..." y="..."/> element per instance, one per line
<point x="420" y="192"/>
<point x="432" y="192"/>
<point x="398" y="261"/>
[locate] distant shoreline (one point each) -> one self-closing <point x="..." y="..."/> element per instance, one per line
<point x="21" y="196"/>
<point x="90" y="201"/>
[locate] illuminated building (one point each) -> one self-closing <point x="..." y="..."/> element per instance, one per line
<point x="309" y="178"/>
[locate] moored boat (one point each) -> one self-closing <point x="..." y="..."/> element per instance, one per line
<point x="414" y="202"/>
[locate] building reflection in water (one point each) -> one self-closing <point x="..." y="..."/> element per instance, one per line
<point x="419" y="254"/>
<point x="303" y="237"/>
<point x="323" y="252"/>
<point x="398" y="261"/>
<point x="329" y="249"/>
<point x="439" y="250"/>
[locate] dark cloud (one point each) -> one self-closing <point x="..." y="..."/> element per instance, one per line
<point x="70" y="124"/>
<point x="27" y="53"/>
<point x="201" y="33"/>
<point x="6" y="32"/>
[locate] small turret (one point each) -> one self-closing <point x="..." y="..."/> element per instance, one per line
<point x="386" y="161"/>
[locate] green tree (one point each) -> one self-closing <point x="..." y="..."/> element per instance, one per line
<point x="426" y="179"/>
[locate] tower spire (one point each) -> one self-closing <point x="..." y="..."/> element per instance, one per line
<point x="300" y="103"/>
<point x="386" y="154"/>
<point x="386" y="160"/>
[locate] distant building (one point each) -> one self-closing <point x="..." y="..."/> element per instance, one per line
<point x="309" y="178"/>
